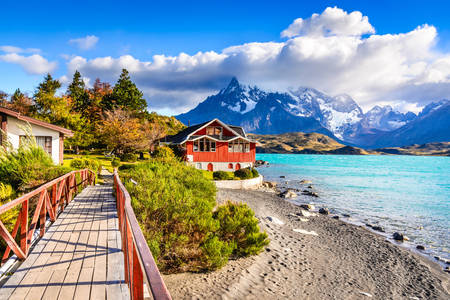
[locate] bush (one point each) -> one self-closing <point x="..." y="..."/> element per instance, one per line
<point x="27" y="167"/>
<point x="115" y="162"/>
<point x="129" y="157"/>
<point x="239" y="227"/>
<point x="246" y="173"/>
<point x="83" y="163"/>
<point x="164" y="153"/>
<point x="243" y="173"/>
<point x="174" y="205"/>
<point x="255" y="173"/>
<point x="221" y="175"/>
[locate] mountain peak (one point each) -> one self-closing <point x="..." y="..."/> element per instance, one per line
<point x="232" y="86"/>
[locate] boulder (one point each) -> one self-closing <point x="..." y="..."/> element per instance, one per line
<point x="282" y="176"/>
<point x="304" y="213"/>
<point x="304" y="181"/>
<point x="270" y="184"/>
<point x="259" y="163"/>
<point x="324" y="211"/>
<point x="399" y="237"/>
<point x="275" y="220"/>
<point x="375" y="227"/>
<point x="307" y="206"/>
<point x="420" y="247"/>
<point x="336" y="217"/>
<point x="288" y="194"/>
<point x="346" y="215"/>
<point x="310" y="193"/>
<point x="447" y="269"/>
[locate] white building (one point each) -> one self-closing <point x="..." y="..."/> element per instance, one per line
<point x="48" y="136"/>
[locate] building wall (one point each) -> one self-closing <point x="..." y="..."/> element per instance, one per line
<point x="221" y="166"/>
<point x="14" y="131"/>
<point x="221" y="154"/>
<point x="246" y="184"/>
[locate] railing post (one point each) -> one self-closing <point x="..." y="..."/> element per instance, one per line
<point x="138" y="280"/>
<point x="24" y="227"/>
<point x="43" y="214"/>
<point x="54" y="194"/>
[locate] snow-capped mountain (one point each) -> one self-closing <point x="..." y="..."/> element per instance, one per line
<point x="386" y="119"/>
<point x="303" y="109"/>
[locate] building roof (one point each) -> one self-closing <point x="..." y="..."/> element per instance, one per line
<point x="34" y="121"/>
<point x="187" y="134"/>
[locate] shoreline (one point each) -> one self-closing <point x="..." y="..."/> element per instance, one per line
<point x="323" y="258"/>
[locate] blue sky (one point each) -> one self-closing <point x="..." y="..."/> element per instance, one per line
<point x="138" y="30"/>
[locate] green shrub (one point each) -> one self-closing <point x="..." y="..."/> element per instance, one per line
<point x="255" y="173"/>
<point x="6" y="192"/>
<point x="83" y="163"/>
<point x="243" y="173"/>
<point x="239" y="227"/>
<point x="221" y="175"/>
<point x="164" y="153"/>
<point x="246" y="173"/>
<point x="115" y="162"/>
<point x="174" y="205"/>
<point x="27" y="167"/>
<point x="129" y="157"/>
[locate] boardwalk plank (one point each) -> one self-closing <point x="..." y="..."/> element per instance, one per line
<point x="79" y="256"/>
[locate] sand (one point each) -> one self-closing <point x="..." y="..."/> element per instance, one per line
<point x="315" y="257"/>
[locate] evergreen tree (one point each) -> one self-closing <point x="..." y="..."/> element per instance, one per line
<point x="126" y="95"/>
<point x="77" y="92"/>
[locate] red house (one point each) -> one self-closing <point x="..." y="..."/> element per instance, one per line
<point x="214" y="146"/>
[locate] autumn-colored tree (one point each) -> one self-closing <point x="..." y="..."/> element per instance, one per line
<point x="21" y="103"/>
<point x="124" y="133"/>
<point x="59" y="110"/>
<point x="3" y="99"/>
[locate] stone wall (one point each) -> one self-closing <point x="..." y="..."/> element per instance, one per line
<point x="246" y="184"/>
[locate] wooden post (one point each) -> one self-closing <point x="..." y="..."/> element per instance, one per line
<point x="61" y="148"/>
<point x="3" y="126"/>
<point x="24" y="227"/>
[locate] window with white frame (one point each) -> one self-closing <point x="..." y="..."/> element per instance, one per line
<point x="204" y="145"/>
<point x="238" y="146"/>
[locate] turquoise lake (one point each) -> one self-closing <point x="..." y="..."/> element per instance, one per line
<point x="409" y="194"/>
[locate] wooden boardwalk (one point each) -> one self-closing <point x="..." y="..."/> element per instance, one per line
<point x="79" y="257"/>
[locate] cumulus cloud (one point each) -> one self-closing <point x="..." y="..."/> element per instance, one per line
<point x="335" y="51"/>
<point x="333" y="21"/>
<point x="14" y="49"/>
<point x="85" y="43"/>
<point x="33" y="64"/>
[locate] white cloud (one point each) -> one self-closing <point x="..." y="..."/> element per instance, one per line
<point x="85" y="43"/>
<point x="33" y="64"/>
<point x="14" y="49"/>
<point x="335" y="52"/>
<point x="333" y="21"/>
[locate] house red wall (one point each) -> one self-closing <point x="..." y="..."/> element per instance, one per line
<point x="221" y="154"/>
<point x="224" y="133"/>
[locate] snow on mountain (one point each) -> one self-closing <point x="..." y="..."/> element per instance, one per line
<point x="302" y="109"/>
<point x="385" y="118"/>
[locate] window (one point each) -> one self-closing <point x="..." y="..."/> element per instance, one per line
<point x="204" y="145"/>
<point x="43" y="141"/>
<point x="214" y="130"/>
<point x="238" y="146"/>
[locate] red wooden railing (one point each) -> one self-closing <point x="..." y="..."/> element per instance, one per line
<point x="140" y="266"/>
<point x="53" y="197"/>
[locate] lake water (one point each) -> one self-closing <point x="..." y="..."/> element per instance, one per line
<point x="409" y="194"/>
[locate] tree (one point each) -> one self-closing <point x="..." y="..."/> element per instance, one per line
<point x="21" y="103"/>
<point x="126" y="95"/>
<point x="3" y="99"/>
<point x="123" y="133"/>
<point x="44" y="96"/>
<point x="77" y="92"/>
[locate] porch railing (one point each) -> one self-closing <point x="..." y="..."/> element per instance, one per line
<point x="53" y="197"/>
<point x="140" y="267"/>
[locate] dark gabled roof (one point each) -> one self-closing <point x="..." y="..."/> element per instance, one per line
<point x="238" y="129"/>
<point x="184" y="134"/>
<point x="181" y="136"/>
<point x="34" y="121"/>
